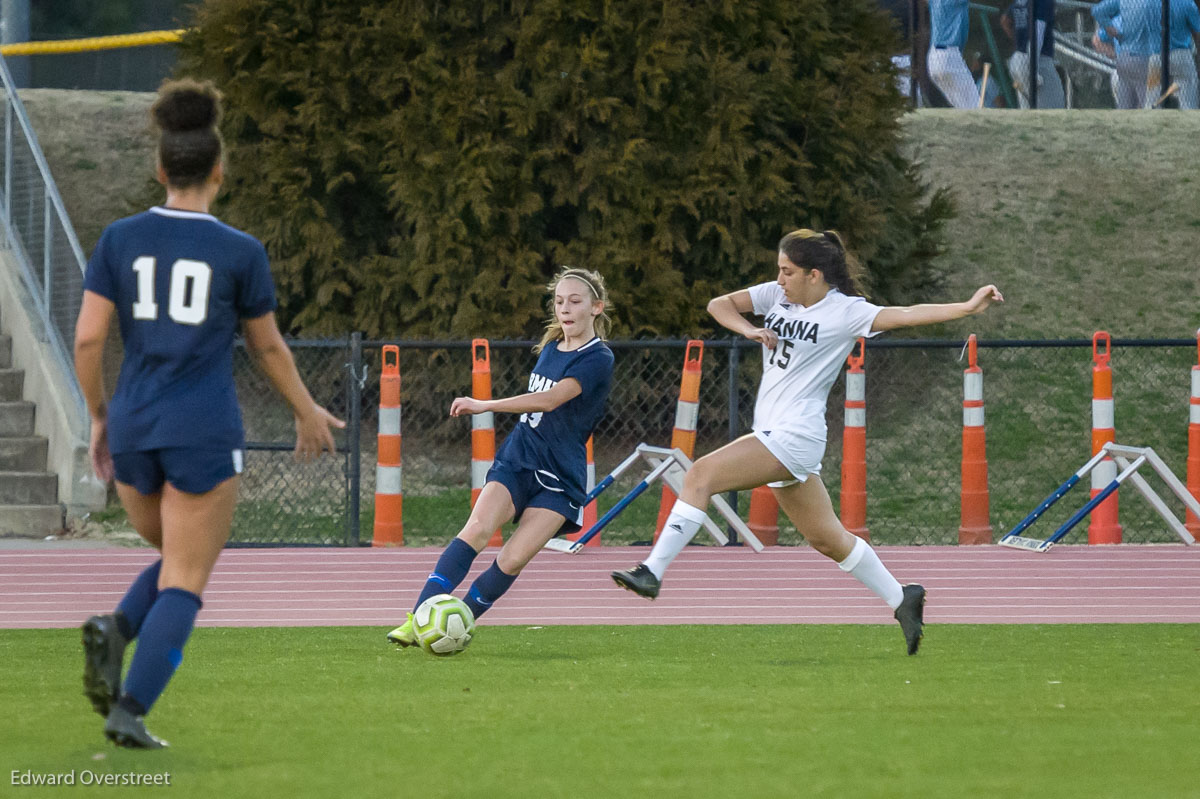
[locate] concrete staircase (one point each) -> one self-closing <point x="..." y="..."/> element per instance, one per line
<point x="28" y="493"/>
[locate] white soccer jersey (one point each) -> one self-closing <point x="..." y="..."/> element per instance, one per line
<point x="813" y="345"/>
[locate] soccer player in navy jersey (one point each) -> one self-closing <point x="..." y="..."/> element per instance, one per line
<point x="539" y="476"/>
<point x="180" y="283"/>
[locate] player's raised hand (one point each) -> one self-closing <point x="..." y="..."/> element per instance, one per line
<point x="465" y="405"/>
<point x="313" y="435"/>
<point x="983" y="297"/>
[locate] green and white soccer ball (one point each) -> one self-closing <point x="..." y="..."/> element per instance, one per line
<point x="443" y="625"/>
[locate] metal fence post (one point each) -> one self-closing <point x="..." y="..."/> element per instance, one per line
<point x="354" y="387"/>
<point x="1035" y="53"/>
<point x="734" y="413"/>
<point x="1164" y="82"/>
<point x="913" y="21"/>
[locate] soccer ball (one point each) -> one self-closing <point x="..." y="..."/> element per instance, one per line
<point x="444" y="625"/>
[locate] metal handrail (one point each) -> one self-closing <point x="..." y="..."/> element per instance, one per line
<point x="61" y="339"/>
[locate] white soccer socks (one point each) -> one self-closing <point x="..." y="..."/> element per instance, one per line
<point x="862" y="563"/>
<point x="681" y="527"/>
<point x="866" y="567"/>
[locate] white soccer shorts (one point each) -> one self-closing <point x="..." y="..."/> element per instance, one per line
<point x="800" y="454"/>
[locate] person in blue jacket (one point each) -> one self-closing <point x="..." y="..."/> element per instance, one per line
<point x="1140" y="37"/>
<point x="1015" y="22"/>
<point x="949" y="25"/>
<point x="1185" y="28"/>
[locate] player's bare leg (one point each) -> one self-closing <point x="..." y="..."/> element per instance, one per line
<point x="103" y="643"/>
<point x="194" y="529"/>
<point x="493" y="508"/>
<point x="737" y="466"/>
<point x="538" y="525"/>
<point x="144" y="512"/>
<point x="808" y="507"/>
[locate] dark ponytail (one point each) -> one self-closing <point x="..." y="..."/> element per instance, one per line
<point x="825" y="251"/>
<point x="189" y="146"/>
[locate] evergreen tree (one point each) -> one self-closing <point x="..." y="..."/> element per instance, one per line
<point x="419" y="168"/>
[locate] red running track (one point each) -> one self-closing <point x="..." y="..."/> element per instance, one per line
<point x="706" y="585"/>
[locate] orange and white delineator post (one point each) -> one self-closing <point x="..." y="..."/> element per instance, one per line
<point x="764" y="516"/>
<point x="389" y="497"/>
<point x="1104" y="527"/>
<point x="483" y="425"/>
<point x="687" y="413"/>
<point x="589" y="510"/>
<point x="1193" y="458"/>
<point x="854" y="445"/>
<point x="976" y="526"/>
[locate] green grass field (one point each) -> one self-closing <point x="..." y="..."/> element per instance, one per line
<point x="830" y="711"/>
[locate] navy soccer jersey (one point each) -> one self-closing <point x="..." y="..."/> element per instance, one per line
<point x="181" y="282"/>
<point x="554" y="443"/>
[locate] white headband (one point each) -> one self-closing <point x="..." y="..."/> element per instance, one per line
<point x="581" y="279"/>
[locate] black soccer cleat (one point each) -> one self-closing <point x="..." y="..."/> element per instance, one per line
<point x="640" y="580"/>
<point x="127" y="730"/>
<point x="103" y="654"/>
<point x="911" y="615"/>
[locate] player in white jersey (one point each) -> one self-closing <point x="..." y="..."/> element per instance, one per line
<point x="812" y="317"/>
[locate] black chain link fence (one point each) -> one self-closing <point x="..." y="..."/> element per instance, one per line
<point x="1038" y="409"/>
<point x="282" y="501"/>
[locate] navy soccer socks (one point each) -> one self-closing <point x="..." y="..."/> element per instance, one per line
<point x="487" y="588"/>
<point x="450" y="570"/>
<point x="160" y="648"/>
<point x="138" y="600"/>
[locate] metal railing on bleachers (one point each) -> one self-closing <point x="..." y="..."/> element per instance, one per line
<point x="39" y="235"/>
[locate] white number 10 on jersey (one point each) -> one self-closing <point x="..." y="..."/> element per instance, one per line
<point x="190" y="281"/>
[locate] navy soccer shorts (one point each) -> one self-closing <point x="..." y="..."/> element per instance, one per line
<point x="193" y="471"/>
<point x="537" y="488"/>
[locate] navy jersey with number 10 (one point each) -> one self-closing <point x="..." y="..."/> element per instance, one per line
<point x="556" y="441"/>
<point x="181" y="282"/>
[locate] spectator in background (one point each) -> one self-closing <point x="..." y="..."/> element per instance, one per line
<point x="949" y="25"/>
<point x="1140" y="37"/>
<point x="1015" y="21"/>
<point x="904" y="82"/>
<point x="991" y="91"/>
<point x="1185" y="27"/>
<point x="1106" y="45"/>
<point x="901" y="13"/>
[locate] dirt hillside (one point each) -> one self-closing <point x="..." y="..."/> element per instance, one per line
<point x="1086" y="219"/>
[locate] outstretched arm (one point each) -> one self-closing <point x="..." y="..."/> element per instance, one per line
<point x="928" y="314"/>
<point x="535" y="402"/>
